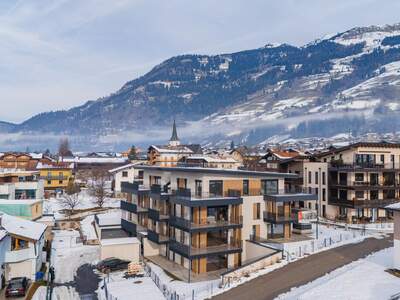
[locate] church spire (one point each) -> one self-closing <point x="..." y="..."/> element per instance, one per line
<point x="174" y="140"/>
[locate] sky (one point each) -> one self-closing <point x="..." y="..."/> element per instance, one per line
<point x="60" y="54"/>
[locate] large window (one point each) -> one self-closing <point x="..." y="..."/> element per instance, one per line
<point x="215" y="187"/>
<point x="365" y="159"/>
<point x="198" y="188"/>
<point x="269" y="187"/>
<point x="245" y="187"/>
<point x="359" y="177"/>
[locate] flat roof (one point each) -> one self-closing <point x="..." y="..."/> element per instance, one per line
<point x="219" y="171"/>
<point x="119" y="241"/>
<point x="142" y="288"/>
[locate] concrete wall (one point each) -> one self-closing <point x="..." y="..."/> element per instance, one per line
<point x="396" y="237"/>
<point x="129" y="251"/>
<point x="21" y="269"/>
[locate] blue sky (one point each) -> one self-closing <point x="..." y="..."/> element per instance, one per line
<point x="59" y="54"/>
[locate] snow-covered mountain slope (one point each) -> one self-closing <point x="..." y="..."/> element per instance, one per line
<point x="346" y="82"/>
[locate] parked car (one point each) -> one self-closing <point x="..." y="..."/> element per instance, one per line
<point x="17" y="287"/>
<point x="112" y="264"/>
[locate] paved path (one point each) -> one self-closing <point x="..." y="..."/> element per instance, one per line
<point x="304" y="270"/>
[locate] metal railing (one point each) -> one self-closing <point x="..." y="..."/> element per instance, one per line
<point x="231" y="246"/>
<point x="356" y="165"/>
<point x="278" y="217"/>
<point x="205" y="223"/>
<point x="376" y="203"/>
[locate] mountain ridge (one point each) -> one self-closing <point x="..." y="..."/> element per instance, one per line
<point x="353" y="72"/>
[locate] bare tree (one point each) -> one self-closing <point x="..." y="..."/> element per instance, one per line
<point x="98" y="187"/>
<point x="70" y="202"/>
<point x="64" y="148"/>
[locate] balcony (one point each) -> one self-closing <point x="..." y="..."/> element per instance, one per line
<point x="127" y="206"/>
<point x="157" y="238"/>
<point x="186" y="198"/>
<point x="159" y="193"/>
<point x="134" y="188"/>
<point x="339" y="166"/>
<point x="206" y="225"/>
<point x="128" y="227"/>
<point x="366" y="185"/>
<point x="376" y="203"/>
<point x="293" y="194"/>
<point x="158" y="215"/>
<point x="192" y="252"/>
<point x="278" y="218"/>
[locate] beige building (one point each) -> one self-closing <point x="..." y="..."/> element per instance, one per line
<point x="363" y="178"/>
<point x="203" y="218"/>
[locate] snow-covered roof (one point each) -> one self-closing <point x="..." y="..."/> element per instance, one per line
<point x="17" y="172"/>
<point x="119" y="241"/>
<point x="3" y="234"/>
<point x="20" y="201"/>
<point x="59" y="165"/>
<point x="211" y="159"/>
<point x="21" y="227"/>
<point x="121" y="168"/>
<point x="92" y="160"/>
<point x="87" y="228"/>
<point x="394" y="206"/>
<point x="172" y="149"/>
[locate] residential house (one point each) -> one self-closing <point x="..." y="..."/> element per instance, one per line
<point x="169" y="155"/>
<point x="24" y="254"/>
<point x="21" y="193"/>
<point x="56" y="176"/>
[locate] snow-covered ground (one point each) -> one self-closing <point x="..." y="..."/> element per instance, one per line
<point x="363" y="279"/>
<point x="53" y="205"/>
<point x="59" y="293"/>
<point x="68" y="254"/>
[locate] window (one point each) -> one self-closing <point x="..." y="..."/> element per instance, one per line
<point x="316" y="191"/>
<point x="256" y="211"/>
<point x="245" y="187"/>
<point x="383" y="158"/>
<point x="323" y="194"/>
<point x="373" y="195"/>
<point x="359" y="177"/>
<point x="198" y="188"/>
<point x="316" y="177"/>
<point x="269" y="187"/>
<point x="215" y="187"/>
<point x="48" y="181"/>
<point x="323" y="178"/>
<point x="309" y="176"/>
<point x="60" y="181"/>
<point x="360" y="194"/>
<point x="125" y="174"/>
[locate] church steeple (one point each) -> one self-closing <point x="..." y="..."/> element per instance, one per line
<point x="174" y="140"/>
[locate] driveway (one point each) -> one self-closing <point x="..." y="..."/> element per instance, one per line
<point x="304" y="270"/>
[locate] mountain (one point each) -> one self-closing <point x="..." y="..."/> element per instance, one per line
<point x="346" y="82"/>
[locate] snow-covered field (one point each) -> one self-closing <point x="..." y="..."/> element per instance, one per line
<point x="59" y="293"/>
<point x="363" y="279"/>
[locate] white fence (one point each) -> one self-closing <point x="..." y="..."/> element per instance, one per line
<point x="188" y="291"/>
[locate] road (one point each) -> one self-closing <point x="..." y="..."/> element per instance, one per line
<point x="304" y="270"/>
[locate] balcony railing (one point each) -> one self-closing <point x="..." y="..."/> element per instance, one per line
<point x="127" y="206"/>
<point x="187" y="198"/>
<point x="158" y="215"/>
<point x="192" y="252"/>
<point x="157" y="238"/>
<point x="358" y="166"/>
<point x="128" y="227"/>
<point x="376" y="203"/>
<point x="278" y="218"/>
<point x="206" y="224"/>
<point x="368" y="184"/>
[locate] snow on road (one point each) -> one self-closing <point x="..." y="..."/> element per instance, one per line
<point x="363" y="279"/>
<point x="59" y="293"/>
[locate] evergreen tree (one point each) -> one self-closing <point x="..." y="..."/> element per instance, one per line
<point x="132" y="153"/>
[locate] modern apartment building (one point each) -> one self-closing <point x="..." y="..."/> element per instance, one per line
<point x="204" y="218"/>
<point x="126" y="173"/>
<point x="363" y="178"/>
